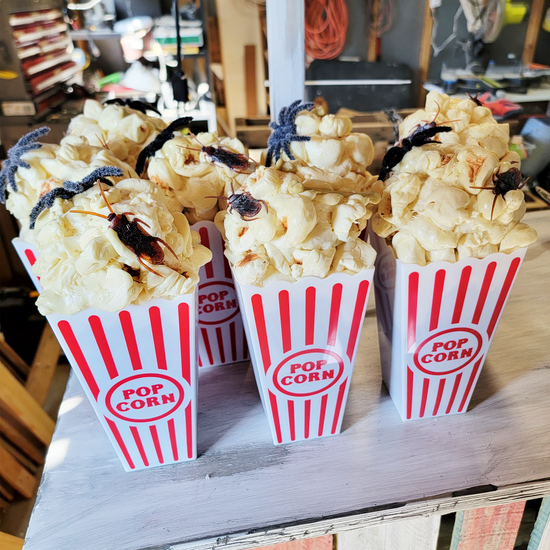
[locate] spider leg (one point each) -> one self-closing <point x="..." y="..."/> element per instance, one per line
<point x="286" y="148"/>
<point x="148" y="268"/>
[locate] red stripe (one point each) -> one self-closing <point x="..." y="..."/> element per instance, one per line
<point x="284" y="313"/>
<point x="275" y="412"/>
<point x="358" y="317"/>
<point x="335" y="303"/>
<point x="156" y="443"/>
<point x="68" y="334"/>
<point x="103" y="345"/>
<point x="158" y="337"/>
<point x="206" y="341"/>
<point x="436" y="303"/>
<point x="439" y="395"/>
<point x="307" y="417"/>
<point x="139" y="445"/>
<point x="259" y="318"/>
<point x="219" y="338"/>
<point x="425" y="388"/>
<point x="233" y="337"/>
<point x="291" y="420"/>
<point x="484" y="291"/>
<point x="339" y="402"/>
<point x="461" y="295"/>
<point x="413" y="306"/>
<point x="208" y="268"/>
<point x="310" y="315"/>
<point x="410" y="379"/>
<point x="200" y="361"/>
<point x="30" y="256"/>
<point x="120" y="442"/>
<point x="453" y="393"/>
<point x="503" y="295"/>
<point x="185" y="342"/>
<point x="470" y="382"/>
<point x="189" y="430"/>
<point x="173" y="439"/>
<point x="130" y="338"/>
<point x="322" y="415"/>
<point x="226" y="266"/>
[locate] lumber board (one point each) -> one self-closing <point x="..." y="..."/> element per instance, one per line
<point x="15" y="474"/>
<point x="425" y="52"/>
<point x="22" y="441"/>
<point x="6" y="492"/>
<point x="19" y="456"/>
<point x="412" y="534"/>
<point x="317" y="543"/>
<point x="43" y="365"/>
<point x="540" y="536"/>
<point x="532" y="34"/>
<point x="373" y="36"/>
<point x="10" y="542"/>
<point x="12" y="360"/>
<point x="492" y="528"/>
<point x="250" y="80"/>
<point x="21" y="405"/>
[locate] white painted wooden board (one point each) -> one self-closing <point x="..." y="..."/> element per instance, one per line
<point x="540" y="537"/>
<point x="411" y="534"/>
<point x="244" y="492"/>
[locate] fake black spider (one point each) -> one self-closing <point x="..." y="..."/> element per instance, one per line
<point x="285" y="131"/>
<point x="132" y="104"/>
<point x="72" y="188"/>
<point x="13" y="162"/>
<point x="166" y="135"/>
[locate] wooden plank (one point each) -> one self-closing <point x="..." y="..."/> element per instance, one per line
<point x="12" y="360"/>
<point x="6" y="492"/>
<point x="22" y="441"/>
<point x="3" y="504"/>
<point x="43" y="365"/>
<point x="373" y="36"/>
<point x="10" y="542"/>
<point x="413" y="534"/>
<point x="317" y="543"/>
<point x="250" y="80"/>
<point x="540" y="536"/>
<point x="532" y="34"/>
<point x="19" y="456"/>
<point x="15" y="474"/>
<point x="425" y="52"/>
<point x="19" y="403"/>
<point x="493" y="528"/>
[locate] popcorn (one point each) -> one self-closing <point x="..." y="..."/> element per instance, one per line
<point x="83" y="263"/>
<point x="304" y="228"/>
<point x="196" y="180"/>
<point x="122" y="130"/>
<point x="456" y="199"/>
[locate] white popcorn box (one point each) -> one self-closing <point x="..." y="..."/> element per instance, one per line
<point x="222" y="339"/>
<point x="27" y="254"/>
<point x="303" y="339"/>
<point x="435" y="327"/>
<point x="138" y="368"/>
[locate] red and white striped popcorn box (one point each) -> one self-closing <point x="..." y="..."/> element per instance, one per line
<point x="139" y="370"/>
<point x="435" y="327"/>
<point x="222" y="339"/>
<point x="27" y="254"/>
<point x="303" y="339"/>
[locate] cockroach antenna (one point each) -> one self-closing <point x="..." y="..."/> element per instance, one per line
<point x="13" y="162"/>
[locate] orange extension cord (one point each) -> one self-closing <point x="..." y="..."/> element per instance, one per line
<point x="326" y="27"/>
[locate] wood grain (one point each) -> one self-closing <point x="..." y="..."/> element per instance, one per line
<point x="244" y="492"/>
<point x="15" y="475"/>
<point x="494" y="528"/>
<point x="373" y="36"/>
<point x="19" y="403"/>
<point x="532" y="33"/>
<point x="412" y="534"/>
<point x="9" y="542"/>
<point x="22" y="441"/>
<point x="425" y="52"/>
<point x="540" y="536"/>
<point x="250" y="80"/>
<point x="12" y="360"/>
<point x="318" y="543"/>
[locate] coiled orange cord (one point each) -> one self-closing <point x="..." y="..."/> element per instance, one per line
<point x="326" y="24"/>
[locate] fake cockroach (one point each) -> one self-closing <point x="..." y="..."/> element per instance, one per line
<point x="244" y="204"/>
<point x="133" y="236"/>
<point x="511" y="180"/>
<point x="475" y="99"/>
<point x="132" y="104"/>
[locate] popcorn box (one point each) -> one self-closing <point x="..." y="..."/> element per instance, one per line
<point x="138" y="368"/>
<point x="303" y="338"/>
<point x="27" y="254"/>
<point x="222" y="339"/>
<point x="435" y="327"/>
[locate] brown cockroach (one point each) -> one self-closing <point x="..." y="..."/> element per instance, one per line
<point x="133" y="236"/>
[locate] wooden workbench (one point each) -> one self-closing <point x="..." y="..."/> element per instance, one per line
<point x="245" y="492"/>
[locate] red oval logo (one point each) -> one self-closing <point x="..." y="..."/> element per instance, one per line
<point x="144" y="397"/>
<point x="217" y="303"/>
<point x="448" y="351"/>
<point x="308" y="372"/>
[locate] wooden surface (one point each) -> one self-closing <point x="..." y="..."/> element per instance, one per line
<point x="425" y="52"/>
<point x="244" y="492"/>
<point x="9" y="542"/>
<point x="532" y="34"/>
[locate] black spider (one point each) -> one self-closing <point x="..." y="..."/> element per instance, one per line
<point x="132" y="104"/>
<point x="166" y="135"/>
<point x="13" y="162"/>
<point x="285" y="132"/>
<point x="72" y="188"/>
